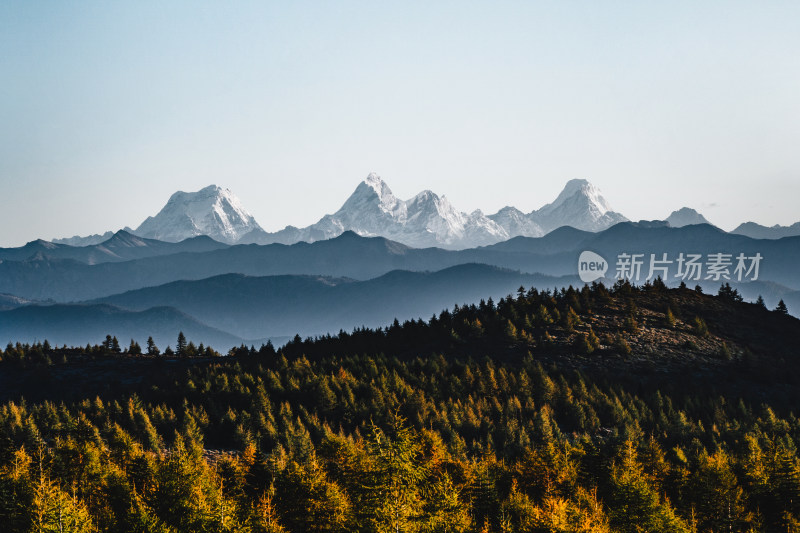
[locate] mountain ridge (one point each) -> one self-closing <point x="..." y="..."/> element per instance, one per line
<point x="423" y="221"/>
<point x="758" y="231"/>
<point x="428" y="219"/>
<point x="120" y="246"/>
<point x="362" y="258"/>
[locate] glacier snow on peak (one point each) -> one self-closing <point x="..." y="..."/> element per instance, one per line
<point x="428" y="219"/>
<point x="211" y="211"/>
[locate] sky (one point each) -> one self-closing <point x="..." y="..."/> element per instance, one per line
<point x="107" y="108"/>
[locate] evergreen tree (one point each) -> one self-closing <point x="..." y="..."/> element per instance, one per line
<point x="727" y="292"/>
<point x="669" y="318"/>
<point x="394" y="482"/>
<point x="781" y="308"/>
<point x="325" y="506"/>
<point x="53" y="510"/>
<point x="107" y="344"/>
<point x="636" y="505"/>
<point x="180" y="347"/>
<point x="152" y="349"/>
<point x="700" y="327"/>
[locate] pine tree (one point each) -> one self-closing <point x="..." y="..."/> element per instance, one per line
<point x="264" y="517"/>
<point x="152" y="349"/>
<point x="53" y="510"/>
<point x="621" y="345"/>
<point x="571" y="320"/>
<point x="594" y="341"/>
<point x="636" y="505"/>
<point x="107" y="344"/>
<point x="325" y="507"/>
<point x="582" y="344"/>
<point x="134" y="348"/>
<point x="717" y="497"/>
<point x="700" y="327"/>
<point x="180" y="347"/>
<point x="781" y="308"/>
<point x="669" y="317"/>
<point x="394" y="482"/>
<point x="726" y="292"/>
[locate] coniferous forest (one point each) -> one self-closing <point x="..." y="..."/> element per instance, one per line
<point x="597" y="409"/>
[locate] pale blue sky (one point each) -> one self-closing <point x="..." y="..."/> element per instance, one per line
<point x="106" y="108"/>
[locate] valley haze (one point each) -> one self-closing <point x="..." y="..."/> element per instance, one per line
<point x="204" y="265"/>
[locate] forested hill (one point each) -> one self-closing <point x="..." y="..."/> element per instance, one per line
<point x="620" y="409"/>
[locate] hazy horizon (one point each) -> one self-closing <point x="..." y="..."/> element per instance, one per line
<point x="108" y="109"/>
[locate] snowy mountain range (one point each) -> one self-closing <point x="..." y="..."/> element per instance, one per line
<point x="428" y="219"/>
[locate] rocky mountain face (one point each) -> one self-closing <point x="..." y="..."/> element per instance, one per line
<point x="212" y="211"/>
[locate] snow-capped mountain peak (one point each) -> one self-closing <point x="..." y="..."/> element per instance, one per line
<point x="211" y="211"/>
<point x="428" y="219"/>
<point x="516" y="223"/>
<point x="373" y="210"/>
<point x="370" y="193"/>
<point x="580" y="205"/>
<point x="435" y="214"/>
<point x="586" y="190"/>
<point x="377" y="184"/>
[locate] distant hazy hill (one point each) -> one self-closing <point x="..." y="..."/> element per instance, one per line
<point x="757" y="231"/>
<point x="81" y="324"/>
<point x="89" y="240"/>
<point x="363" y="258"/>
<point x="9" y="301"/>
<point x="121" y="246"/>
<point x="252" y="307"/>
<point x="232" y="308"/>
<point x="685" y="216"/>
